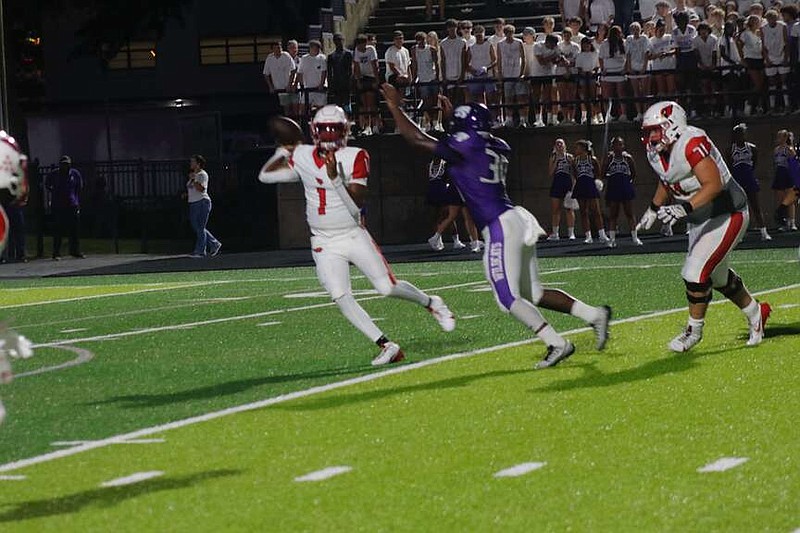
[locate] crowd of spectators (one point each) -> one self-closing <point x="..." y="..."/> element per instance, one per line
<point x="605" y="62"/>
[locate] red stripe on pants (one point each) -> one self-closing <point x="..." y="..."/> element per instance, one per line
<point x="735" y="225"/>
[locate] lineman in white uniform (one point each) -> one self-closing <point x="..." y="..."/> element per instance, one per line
<point x="335" y="180"/>
<point x="693" y="174"/>
<point x="13" y="182"/>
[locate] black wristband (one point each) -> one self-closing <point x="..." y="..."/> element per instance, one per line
<point x="653" y="207"/>
<point x="687" y="207"/>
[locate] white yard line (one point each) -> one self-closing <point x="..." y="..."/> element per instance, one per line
<point x="273" y="323"/>
<point x="187" y="325"/>
<point x="138" y="477"/>
<point x="82" y="442"/>
<point x="325" y="473"/>
<point x="108" y="295"/>
<point x="723" y="464"/>
<point x="519" y="470"/>
<point x="15" y="465"/>
<point x="13" y="478"/>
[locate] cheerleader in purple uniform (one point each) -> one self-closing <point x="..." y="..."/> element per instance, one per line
<point x="587" y="173"/>
<point x="744" y="156"/>
<point x="783" y="184"/>
<point x="561" y="166"/>
<point x="620" y="171"/>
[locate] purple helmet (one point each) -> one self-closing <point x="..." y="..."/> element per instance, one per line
<point x="472" y="117"/>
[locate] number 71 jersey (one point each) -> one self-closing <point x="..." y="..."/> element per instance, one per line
<point x="676" y="171"/>
<point x="326" y="212"/>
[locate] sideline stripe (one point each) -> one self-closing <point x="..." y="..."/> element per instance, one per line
<point x="133" y="478"/>
<point x="723" y="464"/>
<point x="323" y="474"/>
<point x="14" y="465"/>
<point x="519" y="470"/>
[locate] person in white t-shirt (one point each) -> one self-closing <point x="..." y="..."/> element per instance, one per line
<point x="453" y="53"/>
<point x="293" y="48"/>
<point x="546" y="55"/>
<point x="575" y="24"/>
<point x="789" y="14"/>
<point x="499" y="24"/>
<point x="586" y="66"/>
<point x="481" y="62"/>
<point x="776" y="58"/>
<point x="636" y="66"/>
<point x="548" y="28"/>
<point x="706" y="46"/>
<point x="465" y="31"/>
<point x="529" y="58"/>
<point x="662" y="60"/>
<point x="312" y="74"/>
<point x="568" y="52"/>
<point x="279" y="69"/>
<point x="751" y="49"/>
<point x="612" y="69"/>
<point x="200" y="208"/>
<point x="398" y="62"/>
<point x="425" y="73"/>
<point x="510" y="69"/>
<point x="365" y="71"/>
<point x="600" y="12"/>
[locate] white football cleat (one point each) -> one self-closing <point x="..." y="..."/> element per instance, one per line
<point x="588" y="240"/>
<point x="757" y="331"/>
<point x="458" y="245"/>
<point x="436" y="243"/>
<point x="685" y="341"/>
<point x="390" y="353"/>
<point x="442" y="313"/>
<point x="556" y="354"/>
<point x="601" y="327"/>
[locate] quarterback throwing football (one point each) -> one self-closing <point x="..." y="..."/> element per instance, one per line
<point x="335" y="180"/>
<point x="694" y="175"/>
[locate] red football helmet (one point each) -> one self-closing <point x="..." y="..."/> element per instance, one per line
<point x="329" y="127"/>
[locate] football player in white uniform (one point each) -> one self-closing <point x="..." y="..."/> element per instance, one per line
<point x="13" y="182"/>
<point x="335" y="180"/>
<point x="696" y="186"/>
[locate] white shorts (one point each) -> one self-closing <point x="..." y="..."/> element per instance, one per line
<point x="710" y="244"/>
<point x="333" y="255"/>
<point x="774" y="71"/>
<point x="510" y="257"/>
<point x="317" y="99"/>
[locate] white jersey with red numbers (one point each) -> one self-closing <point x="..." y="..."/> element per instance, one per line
<point x="326" y="212"/>
<point x="675" y="171"/>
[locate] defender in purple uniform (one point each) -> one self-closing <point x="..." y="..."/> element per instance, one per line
<point x="743" y="159"/>
<point x="477" y="164"/>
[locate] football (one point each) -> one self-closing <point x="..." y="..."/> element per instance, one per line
<point x="285" y="130"/>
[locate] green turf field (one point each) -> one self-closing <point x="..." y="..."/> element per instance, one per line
<point x="183" y="402"/>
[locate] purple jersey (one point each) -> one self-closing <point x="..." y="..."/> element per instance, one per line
<point x="477" y="166"/>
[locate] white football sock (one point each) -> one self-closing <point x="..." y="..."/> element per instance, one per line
<point x="406" y="291"/>
<point x="571" y="232"/>
<point x="529" y="315"/>
<point x="753" y="312"/>
<point x="555" y="230"/>
<point x="587" y="313"/>
<point x="353" y="312"/>
<point x="697" y="325"/>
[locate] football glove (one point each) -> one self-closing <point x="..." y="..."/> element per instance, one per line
<point x="670" y="214"/>
<point x="648" y="219"/>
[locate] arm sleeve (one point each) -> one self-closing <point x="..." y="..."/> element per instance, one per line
<point x="280" y="175"/>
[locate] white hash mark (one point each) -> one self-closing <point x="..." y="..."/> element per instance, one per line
<point x="323" y="474"/>
<point x="723" y="464"/>
<point x="133" y="478"/>
<point x="519" y="470"/>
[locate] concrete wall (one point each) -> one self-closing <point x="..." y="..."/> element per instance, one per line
<point x="397" y="212"/>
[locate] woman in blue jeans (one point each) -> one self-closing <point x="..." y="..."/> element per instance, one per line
<point x="200" y="207"/>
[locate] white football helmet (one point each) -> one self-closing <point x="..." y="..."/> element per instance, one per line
<point x="662" y="124"/>
<point x="13" y="166"/>
<point x="329" y="127"/>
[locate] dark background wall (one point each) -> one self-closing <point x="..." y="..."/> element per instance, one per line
<point x="397" y="212"/>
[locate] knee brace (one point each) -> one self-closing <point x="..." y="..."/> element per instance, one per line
<point x="733" y="286"/>
<point x="692" y="288"/>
